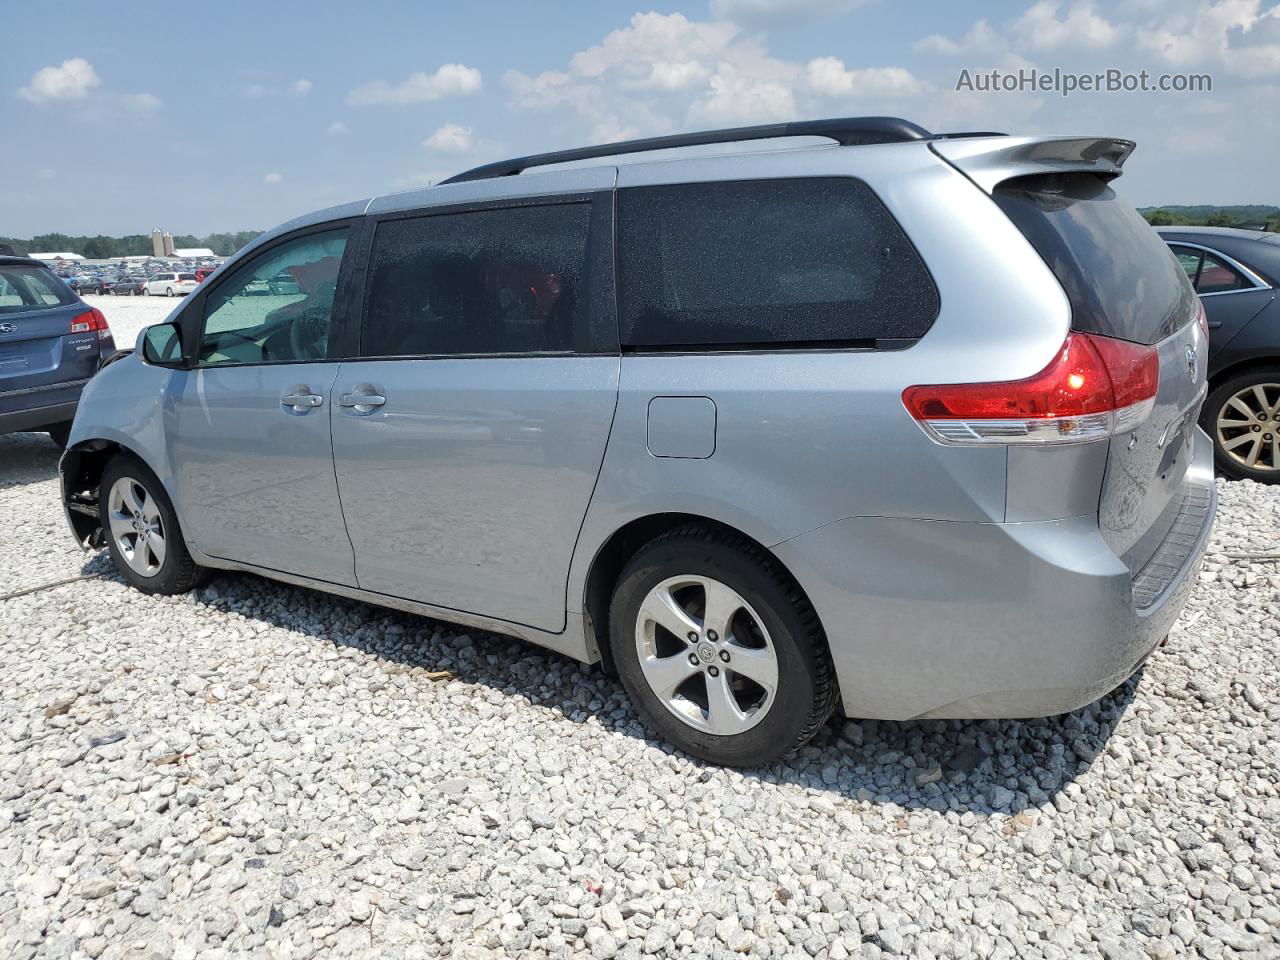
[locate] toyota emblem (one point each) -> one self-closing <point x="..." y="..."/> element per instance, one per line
<point x="1191" y="361"/>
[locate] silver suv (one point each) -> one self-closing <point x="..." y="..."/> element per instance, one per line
<point x="901" y="424"/>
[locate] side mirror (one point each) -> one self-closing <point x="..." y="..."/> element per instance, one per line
<point x="162" y="345"/>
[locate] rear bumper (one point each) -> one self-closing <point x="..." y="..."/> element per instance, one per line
<point x="972" y="620"/>
<point x="39" y="407"/>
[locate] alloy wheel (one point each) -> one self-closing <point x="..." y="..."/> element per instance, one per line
<point x="706" y="655"/>
<point x="136" y="526"/>
<point x="1248" y="427"/>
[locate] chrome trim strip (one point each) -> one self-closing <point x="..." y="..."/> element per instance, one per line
<point x="44" y="388"/>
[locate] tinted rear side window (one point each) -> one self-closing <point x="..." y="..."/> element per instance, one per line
<point x="25" y="288"/>
<point x="767" y="262"/>
<point x="480" y="282"/>
<point x="1121" y="278"/>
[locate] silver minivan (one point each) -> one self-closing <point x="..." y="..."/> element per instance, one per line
<point x="892" y="423"/>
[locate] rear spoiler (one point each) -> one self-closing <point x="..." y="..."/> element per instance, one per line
<point x="988" y="161"/>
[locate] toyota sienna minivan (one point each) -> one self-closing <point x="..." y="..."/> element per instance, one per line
<point x="890" y="422"/>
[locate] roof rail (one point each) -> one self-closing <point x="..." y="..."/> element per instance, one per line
<point x="848" y="131"/>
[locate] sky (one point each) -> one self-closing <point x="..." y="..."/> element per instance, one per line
<point x="250" y="113"/>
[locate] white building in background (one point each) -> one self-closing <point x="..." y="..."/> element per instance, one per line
<point x="186" y="252"/>
<point x="56" y="256"/>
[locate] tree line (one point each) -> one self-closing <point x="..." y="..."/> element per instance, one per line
<point x="135" y="245"/>
<point x="1253" y="215"/>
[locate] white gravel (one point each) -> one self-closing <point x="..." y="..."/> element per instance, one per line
<point x="126" y="316"/>
<point x="261" y="770"/>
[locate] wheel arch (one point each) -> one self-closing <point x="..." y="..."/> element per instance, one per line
<point x="621" y="545"/>
<point x="1243" y="365"/>
<point x="80" y="471"/>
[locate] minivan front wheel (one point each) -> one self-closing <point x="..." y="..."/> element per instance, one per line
<point x="718" y="648"/>
<point x="142" y="529"/>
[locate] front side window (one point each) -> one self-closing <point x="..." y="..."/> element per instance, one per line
<point x="476" y="283"/>
<point x="767" y="262"/>
<point x="254" y="316"/>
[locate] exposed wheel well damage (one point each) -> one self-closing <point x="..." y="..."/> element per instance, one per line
<point x="81" y="470"/>
<point x="621" y="547"/>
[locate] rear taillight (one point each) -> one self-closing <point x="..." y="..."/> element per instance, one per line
<point x="1202" y="318"/>
<point x="91" y="321"/>
<point x="1094" y="387"/>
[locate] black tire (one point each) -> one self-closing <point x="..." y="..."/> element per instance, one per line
<point x="1227" y="465"/>
<point x="807" y="691"/>
<point x="178" y="573"/>
<point x="59" y="432"/>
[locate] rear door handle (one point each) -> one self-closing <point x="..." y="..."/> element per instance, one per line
<point x="301" y="399"/>
<point x="363" y="399"/>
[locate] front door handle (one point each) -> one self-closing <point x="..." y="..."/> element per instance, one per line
<point x="300" y="399"/>
<point x="363" y="399"/>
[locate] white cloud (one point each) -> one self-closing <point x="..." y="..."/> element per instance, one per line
<point x="1236" y="34"/>
<point x="981" y="38"/>
<point x="666" y="72"/>
<point x="337" y="129"/>
<point x="71" y="81"/>
<point x="271" y="179"/>
<point x="829" y="76"/>
<point x="776" y="12"/>
<point x="451" y="80"/>
<point x="1040" y="29"/>
<point x="300" y="87"/>
<point x="450" y="138"/>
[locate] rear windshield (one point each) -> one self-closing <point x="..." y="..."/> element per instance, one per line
<point x="24" y="288"/>
<point x="186" y="276"/>
<point x="1120" y="277"/>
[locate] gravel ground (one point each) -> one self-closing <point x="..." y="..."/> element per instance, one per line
<point x="261" y="770"/>
<point x="128" y="315"/>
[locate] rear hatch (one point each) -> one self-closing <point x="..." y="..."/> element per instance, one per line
<point x="38" y="347"/>
<point x="1122" y="282"/>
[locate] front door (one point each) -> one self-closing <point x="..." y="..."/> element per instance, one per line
<point x="251" y="448"/>
<point x="468" y="441"/>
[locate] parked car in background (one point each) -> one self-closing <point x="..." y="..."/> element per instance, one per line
<point x="202" y="273"/>
<point x="102" y="286"/>
<point x="50" y="345"/>
<point x="1236" y="273"/>
<point x="170" y="284"/>
<point x="746" y="427"/>
<point x="129" y="286"/>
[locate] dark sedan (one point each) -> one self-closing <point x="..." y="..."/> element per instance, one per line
<point x="1236" y="273"/>
<point x="128" y="287"/>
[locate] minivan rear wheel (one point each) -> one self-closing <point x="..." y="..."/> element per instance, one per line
<point x="1242" y="415"/>
<point x="718" y="648"/>
<point x="142" y="531"/>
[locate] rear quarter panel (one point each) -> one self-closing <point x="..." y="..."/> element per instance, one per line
<point x="805" y="439"/>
